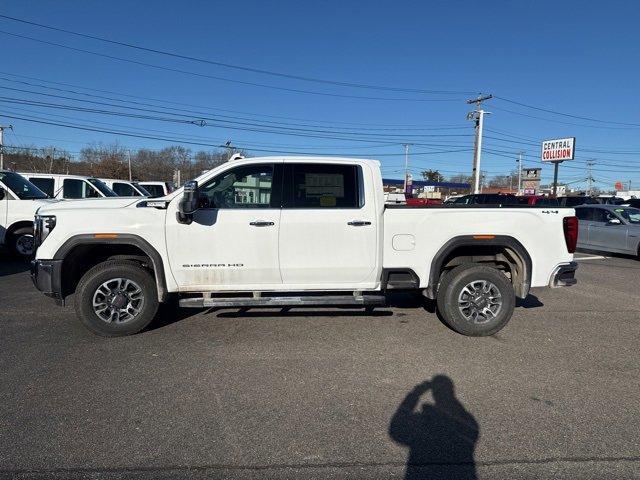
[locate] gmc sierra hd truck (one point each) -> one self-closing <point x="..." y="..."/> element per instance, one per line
<point x="295" y="231"/>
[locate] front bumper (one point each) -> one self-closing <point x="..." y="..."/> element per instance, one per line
<point x="564" y="275"/>
<point x="46" y="276"/>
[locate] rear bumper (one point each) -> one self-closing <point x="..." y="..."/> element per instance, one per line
<point x="564" y="275"/>
<point x="46" y="276"/>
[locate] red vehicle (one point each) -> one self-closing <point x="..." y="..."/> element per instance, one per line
<point x="423" y="202"/>
<point x="539" y="200"/>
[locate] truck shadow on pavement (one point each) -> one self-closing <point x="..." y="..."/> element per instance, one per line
<point x="11" y="265"/>
<point x="441" y="436"/>
<point x="171" y="313"/>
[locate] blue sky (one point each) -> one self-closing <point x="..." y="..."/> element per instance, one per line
<point x="570" y="57"/>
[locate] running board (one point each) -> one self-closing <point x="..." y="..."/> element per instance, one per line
<point x="289" y="301"/>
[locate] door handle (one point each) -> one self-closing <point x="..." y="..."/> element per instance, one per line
<point x="261" y="223"/>
<point x="358" y="223"/>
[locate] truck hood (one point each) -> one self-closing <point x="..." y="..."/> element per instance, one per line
<point x="103" y="203"/>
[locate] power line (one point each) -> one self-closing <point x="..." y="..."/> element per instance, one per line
<point x="197" y="120"/>
<point x="231" y="66"/>
<point x="552" y="120"/>
<point x="192" y="112"/>
<point x="150" y="137"/>
<point x="399" y="126"/>
<point x="577" y="117"/>
<point x="224" y="79"/>
<point x="234" y="125"/>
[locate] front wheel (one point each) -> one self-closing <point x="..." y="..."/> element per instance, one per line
<point x="116" y="298"/>
<point x="476" y="300"/>
<point x="21" y="242"/>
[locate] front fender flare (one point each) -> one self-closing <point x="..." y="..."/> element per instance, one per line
<point x="121" y="239"/>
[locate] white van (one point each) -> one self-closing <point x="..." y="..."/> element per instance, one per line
<point x="69" y="186"/>
<point x="125" y="188"/>
<point x="158" y="189"/>
<point x="19" y="200"/>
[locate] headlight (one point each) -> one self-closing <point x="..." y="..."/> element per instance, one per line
<point x="44" y="224"/>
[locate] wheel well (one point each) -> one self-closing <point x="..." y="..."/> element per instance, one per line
<point x="509" y="257"/>
<point x="18" y="225"/>
<point x="85" y="256"/>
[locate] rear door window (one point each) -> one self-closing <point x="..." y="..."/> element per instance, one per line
<point x="154" y="190"/>
<point x="76" y="188"/>
<point x="124" y="190"/>
<point x="323" y="186"/>
<point x="47" y="185"/>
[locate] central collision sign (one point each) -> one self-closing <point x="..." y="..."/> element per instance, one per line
<point x="558" y="150"/>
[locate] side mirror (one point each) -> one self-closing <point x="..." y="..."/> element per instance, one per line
<point x="189" y="203"/>
<point x="2" y="193"/>
<point x="615" y="221"/>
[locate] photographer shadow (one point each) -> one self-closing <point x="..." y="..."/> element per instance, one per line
<point x="441" y="436"/>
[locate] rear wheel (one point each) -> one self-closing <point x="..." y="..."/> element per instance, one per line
<point x="22" y="242"/>
<point x="116" y="298"/>
<point x="476" y="300"/>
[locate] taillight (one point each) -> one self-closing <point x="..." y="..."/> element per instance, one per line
<point x="570" y="225"/>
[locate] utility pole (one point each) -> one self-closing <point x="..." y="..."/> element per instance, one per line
<point x="53" y="157"/>
<point x="519" y="172"/>
<point x="129" y="159"/>
<point x="2" y="128"/>
<point x="406" y="166"/>
<point x="590" y="164"/>
<point x="478" y="116"/>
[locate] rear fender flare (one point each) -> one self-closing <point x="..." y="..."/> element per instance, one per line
<point x="469" y="241"/>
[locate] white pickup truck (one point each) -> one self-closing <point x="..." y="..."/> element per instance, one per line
<point x="265" y="232"/>
<point x="19" y="200"/>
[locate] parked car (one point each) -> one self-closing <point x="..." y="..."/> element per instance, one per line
<point x="423" y="202"/>
<point x="632" y="202"/>
<point x="610" y="228"/>
<point x="19" y="201"/>
<point x="539" y="200"/>
<point x="125" y="188"/>
<point x="250" y="232"/>
<point x="69" y="186"/>
<point x="610" y="200"/>
<point x="157" y="189"/>
<point x="487" y="199"/>
<point x="576" y="200"/>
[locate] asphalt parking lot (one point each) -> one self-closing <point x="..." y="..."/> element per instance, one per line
<point x="327" y="393"/>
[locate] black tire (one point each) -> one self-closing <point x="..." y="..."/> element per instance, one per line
<point x="451" y="288"/>
<point x="17" y="242"/>
<point x="140" y="278"/>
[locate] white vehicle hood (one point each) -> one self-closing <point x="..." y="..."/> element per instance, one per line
<point x="89" y="203"/>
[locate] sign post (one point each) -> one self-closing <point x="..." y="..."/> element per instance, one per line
<point x="557" y="151"/>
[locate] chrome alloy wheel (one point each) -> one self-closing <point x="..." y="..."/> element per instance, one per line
<point x="480" y="301"/>
<point x="118" y="300"/>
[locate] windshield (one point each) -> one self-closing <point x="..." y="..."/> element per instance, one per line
<point x="631" y="215"/>
<point x="21" y="187"/>
<point x="141" y="189"/>
<point x="102" y="187"/>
